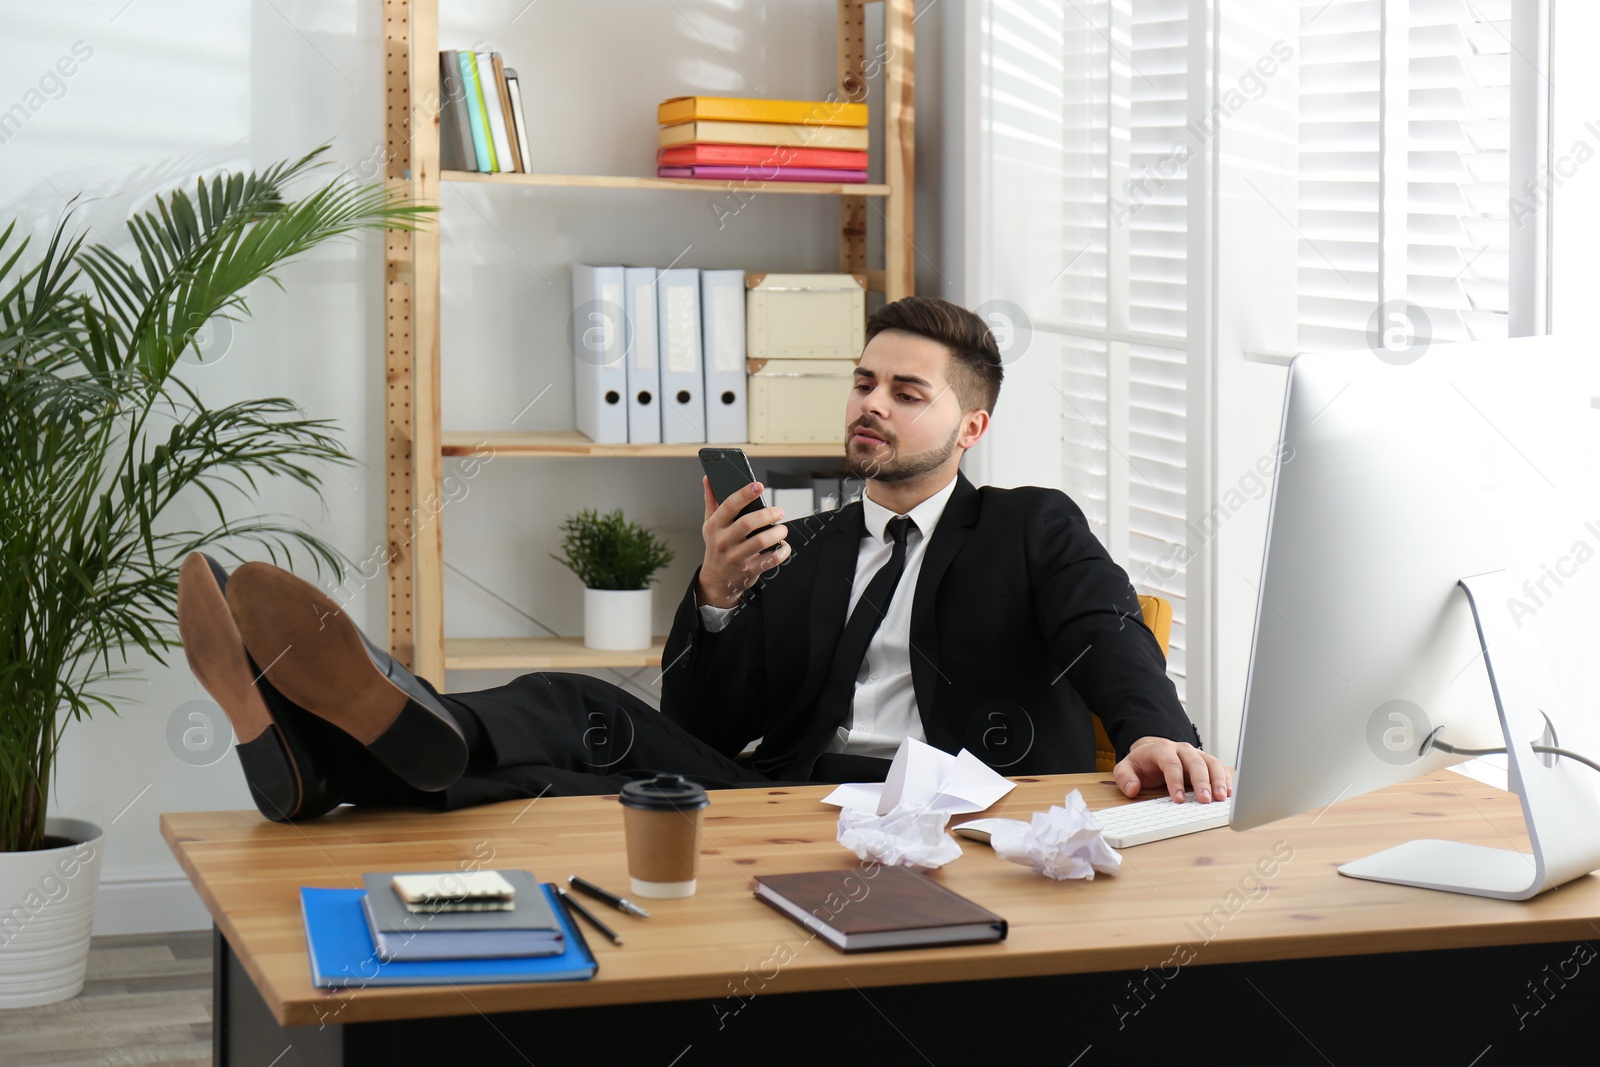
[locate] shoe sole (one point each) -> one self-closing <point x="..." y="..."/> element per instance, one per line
<point x="216" y="655"/>
<point x="314" y="655"/>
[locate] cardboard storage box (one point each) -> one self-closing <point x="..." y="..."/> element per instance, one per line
<point x="805" y="316"/>
<point x="794" y="400"/>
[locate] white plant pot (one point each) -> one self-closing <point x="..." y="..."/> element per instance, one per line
<point x="617" y="620"/>
<point x="46" y="913"/>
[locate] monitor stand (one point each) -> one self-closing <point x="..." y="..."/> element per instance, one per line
<point x="1559" y="804"/>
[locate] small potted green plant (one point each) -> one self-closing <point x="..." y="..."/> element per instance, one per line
<point x="617" y="561"/>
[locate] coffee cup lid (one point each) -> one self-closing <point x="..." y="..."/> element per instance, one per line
<point x="665" y="792"/>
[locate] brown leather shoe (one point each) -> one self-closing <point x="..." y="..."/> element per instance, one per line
<point x="316" y="657"/>
<point x="287" y="779"/>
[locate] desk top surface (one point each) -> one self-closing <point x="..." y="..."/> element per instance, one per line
<point x="1203" y="898"/>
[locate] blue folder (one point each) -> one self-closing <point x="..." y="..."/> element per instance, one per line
<point x="342" y="953"/>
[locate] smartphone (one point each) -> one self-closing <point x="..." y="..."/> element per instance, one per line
<point x="729" y="471"/>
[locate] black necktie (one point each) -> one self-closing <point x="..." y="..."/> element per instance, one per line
<point x="833" y="706"/>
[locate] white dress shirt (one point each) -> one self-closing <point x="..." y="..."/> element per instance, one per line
<point x="883" y="711"/>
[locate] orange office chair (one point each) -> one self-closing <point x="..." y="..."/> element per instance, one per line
<point x="1157" y="612"/>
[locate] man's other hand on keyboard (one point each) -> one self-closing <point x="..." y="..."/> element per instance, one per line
<point x="1152" y="761"/>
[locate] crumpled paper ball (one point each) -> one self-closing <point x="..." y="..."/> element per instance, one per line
<point x="1064" y="842"/>
<point x="905" y="837"/>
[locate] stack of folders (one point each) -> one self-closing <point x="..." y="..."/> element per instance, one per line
<point x="481" y="124"/>
<point x="380" y="935"/>
<point x="659" y="355"/>
<point x="737" y="138"/>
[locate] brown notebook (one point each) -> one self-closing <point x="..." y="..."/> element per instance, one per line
<point x="505" y="108"/>
<point x="891" y="908"/>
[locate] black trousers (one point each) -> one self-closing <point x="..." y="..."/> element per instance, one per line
<point x="557" y="734"/>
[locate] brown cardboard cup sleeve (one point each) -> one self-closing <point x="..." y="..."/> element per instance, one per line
<point x="661" y="820"/>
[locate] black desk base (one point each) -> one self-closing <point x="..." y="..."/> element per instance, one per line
<point x="1469" y="1007"/>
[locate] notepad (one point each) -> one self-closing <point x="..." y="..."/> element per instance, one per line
<point x="455" y="891"/>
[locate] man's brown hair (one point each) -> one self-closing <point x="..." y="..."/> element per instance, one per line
<point x="975" y="370"/>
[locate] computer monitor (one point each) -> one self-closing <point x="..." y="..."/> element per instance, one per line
<point x="1425" y="505"/>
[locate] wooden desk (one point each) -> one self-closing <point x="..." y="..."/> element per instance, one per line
<point x="1212" y="899"/>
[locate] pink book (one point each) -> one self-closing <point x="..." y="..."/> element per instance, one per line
<point x="764" y="174"/>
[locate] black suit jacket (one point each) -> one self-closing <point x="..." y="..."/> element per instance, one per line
<point x="1021" y="624"/>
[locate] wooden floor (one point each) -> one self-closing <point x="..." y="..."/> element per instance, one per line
<point x="147" y="1001"/>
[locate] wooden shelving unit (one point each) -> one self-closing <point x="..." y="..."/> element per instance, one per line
<point x="417" y="443"/>
<point x="572" y="443"/>
<point x="541" y="654"/>
<point x="605" y="181"/>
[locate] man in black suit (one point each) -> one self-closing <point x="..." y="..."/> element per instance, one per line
<point x="1006" y="623"/>
<point x="985" y="618"/>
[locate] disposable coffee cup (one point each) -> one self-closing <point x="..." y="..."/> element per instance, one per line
<point x="661" y="820"/>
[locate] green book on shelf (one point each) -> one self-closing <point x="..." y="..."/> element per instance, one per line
<point x="476" y="125"/>
<point x="476" y="97"/>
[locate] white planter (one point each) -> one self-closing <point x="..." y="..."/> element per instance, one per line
<point x="46" y="913"/>
<point x="617" y="620"/>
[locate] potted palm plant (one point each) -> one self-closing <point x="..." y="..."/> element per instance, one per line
<point x="617" y="561"/>
<point x="98" y="437"/>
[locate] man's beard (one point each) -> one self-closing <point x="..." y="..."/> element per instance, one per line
<point x="884" y="463"/>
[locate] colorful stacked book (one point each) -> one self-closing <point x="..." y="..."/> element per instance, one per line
<point x="481" y="124"/>
<point x="730" y="138"/>
<point x="464" y="929"/>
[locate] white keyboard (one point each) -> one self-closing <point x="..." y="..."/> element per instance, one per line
<point x="1155" y="820"/>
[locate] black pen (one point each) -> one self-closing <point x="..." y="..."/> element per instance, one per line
<point x="609" y="899"/>
<point x="574" y="906"/>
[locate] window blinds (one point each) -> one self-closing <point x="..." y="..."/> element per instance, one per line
<point x="1452" y="232"/>
<point x="1119" y="313"/>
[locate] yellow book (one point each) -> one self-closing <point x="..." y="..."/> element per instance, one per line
<point x="750" y="109"/>
<point x="765" y="133"/>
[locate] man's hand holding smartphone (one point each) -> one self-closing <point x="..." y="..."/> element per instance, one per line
<point x="734" y="559"/>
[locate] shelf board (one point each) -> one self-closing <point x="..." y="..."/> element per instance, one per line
<point x="620" y="181"/>
<point x="540" y="654"/>
<point x="572" y="443"/>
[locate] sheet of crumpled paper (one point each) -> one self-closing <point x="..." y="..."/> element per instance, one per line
<point x="906" y="837"/>
<point x="925" y="777"/>
<point x="1064" y="842"/>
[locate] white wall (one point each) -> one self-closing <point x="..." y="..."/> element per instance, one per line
<point x="175" y="88"/>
